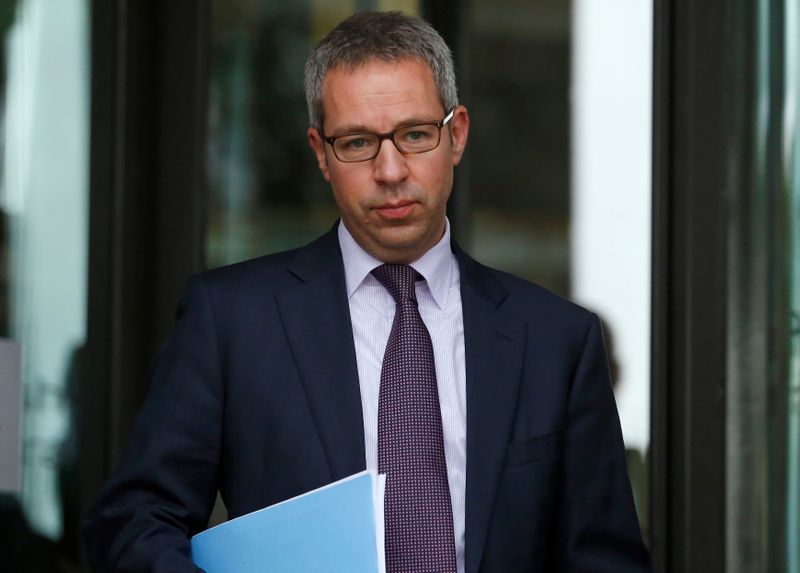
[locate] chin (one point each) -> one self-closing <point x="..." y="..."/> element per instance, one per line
<point x="401" y="239"/>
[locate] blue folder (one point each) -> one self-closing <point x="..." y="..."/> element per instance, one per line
<point x="337" y="528"/>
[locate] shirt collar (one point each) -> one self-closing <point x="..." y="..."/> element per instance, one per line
<point x="436" y="265"/>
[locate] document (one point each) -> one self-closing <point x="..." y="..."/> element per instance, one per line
<point x="336" y="528"/>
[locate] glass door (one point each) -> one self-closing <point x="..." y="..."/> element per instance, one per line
<point x="792" y="138"/>
<point x="44" y="165"/>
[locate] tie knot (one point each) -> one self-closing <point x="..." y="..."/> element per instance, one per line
<point x="399" y="280"/>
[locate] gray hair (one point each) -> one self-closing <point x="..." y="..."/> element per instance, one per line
<point x="388" y="36"/>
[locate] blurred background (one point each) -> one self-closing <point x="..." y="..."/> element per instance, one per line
<point x="639" y="157"/>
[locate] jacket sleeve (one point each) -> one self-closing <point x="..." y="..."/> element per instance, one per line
<point x="164" y="489"/>
<point x="597" y="528"/>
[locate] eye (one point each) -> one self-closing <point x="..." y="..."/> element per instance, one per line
<point x="355" y="144"/>
<point x="416" y="135"/>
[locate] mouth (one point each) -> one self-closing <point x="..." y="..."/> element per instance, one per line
<point x="394" y="211"/>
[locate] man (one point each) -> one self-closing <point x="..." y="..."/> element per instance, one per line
<point x="485" y="399"/>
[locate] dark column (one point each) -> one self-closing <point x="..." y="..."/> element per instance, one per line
<point x="147" y="203"/>
<point x="694" y="122"/>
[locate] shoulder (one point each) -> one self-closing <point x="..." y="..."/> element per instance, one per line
<point x="528" y="297"/>
<point x="267" y="270"/>
<point x="541" y="308"/>
<point x="273" y="272"/>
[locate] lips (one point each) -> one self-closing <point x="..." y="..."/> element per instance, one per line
<point x="399" y="210"/>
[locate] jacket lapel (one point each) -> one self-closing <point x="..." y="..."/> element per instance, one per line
<point x="494" y="343"/>
<point x="316" y="318"/>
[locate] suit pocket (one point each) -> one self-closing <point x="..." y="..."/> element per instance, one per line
<point x="534" y="449"/>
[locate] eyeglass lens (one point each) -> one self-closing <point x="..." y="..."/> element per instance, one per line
<point x="364" y="146"/>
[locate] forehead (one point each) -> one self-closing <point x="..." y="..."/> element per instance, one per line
<point x="380" y="95"/>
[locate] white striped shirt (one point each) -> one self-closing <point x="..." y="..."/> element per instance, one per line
<point x="372" y="312"/>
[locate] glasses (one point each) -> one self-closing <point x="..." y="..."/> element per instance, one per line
<point x="408" y="139"/>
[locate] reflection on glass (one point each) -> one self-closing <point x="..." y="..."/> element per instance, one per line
<point x="43" y="214"/>
<point x="517" y="163"/>
<point x="763" y="392"/>
<point x="792" y="137"/>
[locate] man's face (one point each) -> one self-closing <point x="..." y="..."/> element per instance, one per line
<point x="394" y="204"/>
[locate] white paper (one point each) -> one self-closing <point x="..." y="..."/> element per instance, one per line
<point x="380" y="525"/>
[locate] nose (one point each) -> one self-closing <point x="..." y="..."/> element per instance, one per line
<point x="390" y="165"/>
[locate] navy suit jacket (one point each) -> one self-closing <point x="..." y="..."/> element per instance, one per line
<point x="256" y="394"/>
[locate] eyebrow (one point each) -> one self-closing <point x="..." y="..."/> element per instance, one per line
<point x="360" y="128"/>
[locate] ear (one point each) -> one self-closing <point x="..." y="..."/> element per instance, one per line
<point x="459" y="130"/>
<point x="318" y="146"/>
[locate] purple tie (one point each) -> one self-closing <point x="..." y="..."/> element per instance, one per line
<point x="418" y="512"/>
